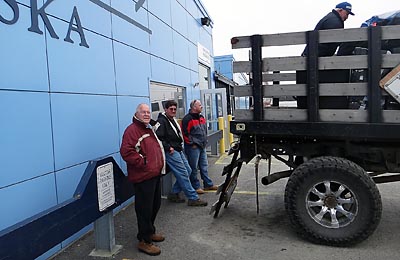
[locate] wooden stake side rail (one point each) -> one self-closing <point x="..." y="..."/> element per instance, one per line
<point x="336" y="79"/>
<point x="325" y="115"/>
<point x="325" y="63"/>
<point x="336" y="35"/>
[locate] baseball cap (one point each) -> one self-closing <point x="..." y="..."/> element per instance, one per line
<point x="345" y="6"/>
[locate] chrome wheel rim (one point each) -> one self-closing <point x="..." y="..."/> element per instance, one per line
<point x="331" y="204"/>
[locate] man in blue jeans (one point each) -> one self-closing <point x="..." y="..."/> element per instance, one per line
<point x="170" y="134"/>
<point x="194" y="130"/>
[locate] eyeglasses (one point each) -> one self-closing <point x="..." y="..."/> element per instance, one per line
<point x="172" y="108"/>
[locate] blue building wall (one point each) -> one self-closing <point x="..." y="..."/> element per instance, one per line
<point x="224" y="65"/>
<point x="63" y="104"/>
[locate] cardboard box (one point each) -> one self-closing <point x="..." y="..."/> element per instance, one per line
<point x="391" y="83"/>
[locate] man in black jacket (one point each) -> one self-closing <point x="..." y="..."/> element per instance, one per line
<point x="170" y="134"/>
<point x="333" y="20"/>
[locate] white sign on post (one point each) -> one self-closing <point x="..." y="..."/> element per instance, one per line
<point x="105" y="186"/>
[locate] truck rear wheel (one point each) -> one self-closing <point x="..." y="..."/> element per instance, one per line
<point x="332" y="201"/>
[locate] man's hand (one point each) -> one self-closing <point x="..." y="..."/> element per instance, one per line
<point x="171" y="150"/>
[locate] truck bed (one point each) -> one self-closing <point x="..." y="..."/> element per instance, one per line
<point x="279" y="77"/>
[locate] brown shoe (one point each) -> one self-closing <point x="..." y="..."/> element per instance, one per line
<point x="200" y="191"/>
<point x="214" y="187"/>
<point x="157" y="238"/>
<point x="197" y="203"/>
<point x="175" y="197"/>
<point x="149" y="248"/>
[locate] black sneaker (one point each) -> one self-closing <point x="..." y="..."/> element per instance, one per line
<point x="197" y="203"/>
<point x="174" y="197"/>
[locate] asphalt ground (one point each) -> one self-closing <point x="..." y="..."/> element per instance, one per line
<point x="239" y="232"/>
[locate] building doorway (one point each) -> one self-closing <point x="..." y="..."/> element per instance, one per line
<point x="161" y="93"/>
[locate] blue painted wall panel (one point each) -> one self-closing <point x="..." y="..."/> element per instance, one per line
<point x="182" y="76"/>
<point x="223" y="64"/>
<point x="26" y="148"/>
<point x="162" y="71"/>
<point x="179" y="22"/>
<point x="127" y="33"/>
<point x="18" y="72"/>
<point x="132" y="68"/>
<point x="78" y="69"/>
<point x="161" y="43"/>
<point x="182" y="2"/>
<point x="67" y="181"/>
<point x="161" y="9"/>
<point x="193" y="9"/>
<point x="92" y="17"/>
<point x="206" y="39"/>
<point x="181" y="50"/>
<point x="84" y="128"/>
<point x="193" y="29"/>
<point x="193" y="58"/>
<point x="26" y="199"/>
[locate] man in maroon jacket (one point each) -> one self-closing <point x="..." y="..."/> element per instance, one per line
<point x="144" y="157"/>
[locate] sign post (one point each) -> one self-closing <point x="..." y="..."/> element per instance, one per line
<point x="104" y="227"/>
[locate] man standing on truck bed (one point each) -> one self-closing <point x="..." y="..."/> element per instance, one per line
<point x="333" y="20"/>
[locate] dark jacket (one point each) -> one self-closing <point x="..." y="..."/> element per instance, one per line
<point x="169" y="132"/>
<point x="194" y="129"/>
<point x="330" y="21"/>
<point x="142" y="152"/>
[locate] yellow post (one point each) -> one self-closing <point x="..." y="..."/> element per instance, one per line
<point x="222" y="140"/>
<point x="229" y="130"/>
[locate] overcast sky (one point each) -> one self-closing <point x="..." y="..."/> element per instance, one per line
<point x="246" y="17"/>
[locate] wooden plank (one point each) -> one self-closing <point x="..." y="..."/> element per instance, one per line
<point x="282" y="90"/>
<point x="343" y="89"/>
<point x="241" y="66"/>
<point x="299" y="63"/>
<point x="287" y="114"/>
<point x="282" y="39"/>
<point x="286" y="76"/>
<point x="343" y="35"/>
<point x="325" y="89"/>
<point x="243" y="91"/>
<point x="335" y="35"/>
<point x="326" y="115"/>
<point x="390" y="60"/>
<point x="390" y="32"/>
<point x="343" y="115"/>
<point x="284" y="63"/>
<point x="243" y="114"/>
<point x="241" y="42"/>
<point x="391" y="116"/>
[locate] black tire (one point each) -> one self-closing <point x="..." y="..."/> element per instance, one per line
<point x="332" y="201"/>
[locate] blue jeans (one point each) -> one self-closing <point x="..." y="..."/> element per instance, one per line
<point x="180" y="168"/>
<point x="197" y="158"/>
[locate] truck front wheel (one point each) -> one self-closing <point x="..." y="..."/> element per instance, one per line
<point x="332" y="201"/>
